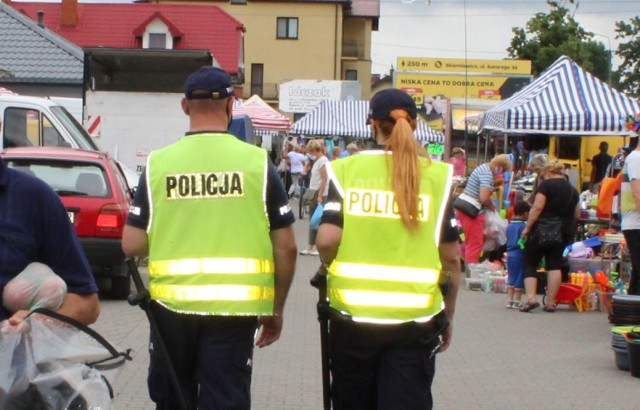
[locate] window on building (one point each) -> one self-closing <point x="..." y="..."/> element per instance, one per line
<point x="257" y="78"/>
<point x="287" y="27"/>
<point x="351" y="75"/>
<point x="157" y="40"/>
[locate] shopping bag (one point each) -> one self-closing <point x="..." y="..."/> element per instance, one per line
<point x="50" y="361"/>
<point x="314" y="222"/>
<point x="495" y="232"/>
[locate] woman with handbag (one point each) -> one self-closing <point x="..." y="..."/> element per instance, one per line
<point x="318" y="188"/>
<point x="550" y="228"/>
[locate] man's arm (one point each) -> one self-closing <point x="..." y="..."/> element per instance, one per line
<point x="284" y="257"/>
<point x="450" y="259"/>
<point x="328" y="241"/>
<point x="635" y="191"/>
<point x="135" y="241"/>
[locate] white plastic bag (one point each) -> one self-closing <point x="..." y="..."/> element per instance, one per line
<point x="37" y="286"/>
<point x="52" y="362"/>
<point x="495" y="232"/>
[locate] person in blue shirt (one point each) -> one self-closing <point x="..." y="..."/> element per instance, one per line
<point x="515" y="255"/>
<point x="35" y="227"/>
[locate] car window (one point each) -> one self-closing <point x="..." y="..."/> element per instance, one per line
<point x="67" y="178"/>
<point x="122" y="181"/>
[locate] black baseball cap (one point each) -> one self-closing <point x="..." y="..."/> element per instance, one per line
<point x="208" y="83"/>
<point x="385" y="101"/>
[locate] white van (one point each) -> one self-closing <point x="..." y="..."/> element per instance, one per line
<point x="35" y="121"/>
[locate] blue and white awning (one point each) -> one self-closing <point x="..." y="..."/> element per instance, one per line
<point x="565" y="99"/>
<point x="348" y="119"/>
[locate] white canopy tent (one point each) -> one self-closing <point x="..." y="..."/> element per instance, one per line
<point x="348" y="119"/>
<point x="564" y="100"/>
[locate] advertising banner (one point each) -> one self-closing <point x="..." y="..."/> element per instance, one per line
<point x="460" y="65"/>
<point x="301" y="96"/>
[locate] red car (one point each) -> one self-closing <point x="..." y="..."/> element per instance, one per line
<point x="94" y="190"/>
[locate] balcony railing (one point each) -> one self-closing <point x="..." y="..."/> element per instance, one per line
<point x="353" y="49"/>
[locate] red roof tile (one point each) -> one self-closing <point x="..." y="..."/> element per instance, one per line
<point x="196" y="27"/>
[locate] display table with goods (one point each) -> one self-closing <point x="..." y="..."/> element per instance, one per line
<point x="597" y="269"/>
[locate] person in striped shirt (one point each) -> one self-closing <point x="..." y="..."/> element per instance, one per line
<point x="478" y="190"/>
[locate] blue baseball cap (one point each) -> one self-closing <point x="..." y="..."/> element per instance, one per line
<point x="385" y="101"/>
<point x="208" y="83"/>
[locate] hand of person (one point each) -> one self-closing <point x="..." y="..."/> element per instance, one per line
<point x="16" y="321"/>
<point x="320" y="199"/>
<point x="525" y="233"/>
<point x="269" y="328"/>
<point x="446" y="338"/>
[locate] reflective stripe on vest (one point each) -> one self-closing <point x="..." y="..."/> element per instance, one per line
<point x="210" y="265"/>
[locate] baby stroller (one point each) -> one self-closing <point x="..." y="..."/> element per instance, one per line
<point x="53" y="362"/>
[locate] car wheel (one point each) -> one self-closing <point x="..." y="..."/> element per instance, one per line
<point x="120" y="287"/>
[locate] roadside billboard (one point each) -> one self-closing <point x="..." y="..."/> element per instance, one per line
<point x="461" y="65"/>
<point x="301" y="96"/>
<point x="493" y="87"/>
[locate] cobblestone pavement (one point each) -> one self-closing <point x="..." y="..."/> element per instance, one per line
<point x="500" y="358"/>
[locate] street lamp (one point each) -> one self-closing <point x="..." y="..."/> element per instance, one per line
<point x="610" y="54"/>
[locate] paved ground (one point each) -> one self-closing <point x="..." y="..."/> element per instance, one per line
<point x="500" y="359"/>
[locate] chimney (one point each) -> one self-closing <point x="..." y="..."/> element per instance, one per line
<point x="69" y="15"/>
<point x="40" y="18"/>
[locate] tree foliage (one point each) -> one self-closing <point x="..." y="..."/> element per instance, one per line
<point x="548" y="36"/>
<point x="628" y="73"/>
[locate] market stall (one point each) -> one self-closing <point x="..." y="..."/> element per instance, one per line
<point x="265" y="120"/>
<point x="564" y="100"/>
<point x="348" y="119"/>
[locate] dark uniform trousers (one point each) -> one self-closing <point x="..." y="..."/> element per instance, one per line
<point x="383" y="367"/>
<point x="212" y="356"/>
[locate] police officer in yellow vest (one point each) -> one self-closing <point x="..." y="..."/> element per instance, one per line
<point x="213" y="217"/>
<point x="388" y="238"/>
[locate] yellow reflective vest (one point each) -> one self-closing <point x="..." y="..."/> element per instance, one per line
<point x="382" y="273"/>
<point x="209" y="247"/>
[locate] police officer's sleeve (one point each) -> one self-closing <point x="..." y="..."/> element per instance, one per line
<point x="333" y="207"/>
<point x="139" y="209"/>
<point x="278" y="208"/>
<point x="449" y="231"/>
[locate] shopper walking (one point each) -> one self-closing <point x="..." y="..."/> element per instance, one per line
<point x="216" y="224"/>
<point x="387" y="238"/>
<point x="317" y="190"/>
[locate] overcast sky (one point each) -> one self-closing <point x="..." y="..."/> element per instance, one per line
<point x="416" y="29"/>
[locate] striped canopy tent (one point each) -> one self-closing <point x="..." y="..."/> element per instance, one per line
<point x="265" y="119"/>
<point x="348" y="119"/>
<point x="563" y="100"/>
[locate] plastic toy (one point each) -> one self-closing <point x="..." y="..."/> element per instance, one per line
<point x="615" y="282"/>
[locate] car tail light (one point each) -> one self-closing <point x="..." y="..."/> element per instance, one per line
<point x="111" y="220"/>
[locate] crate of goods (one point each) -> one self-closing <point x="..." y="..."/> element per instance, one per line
<point x="604" y="301"/>
<point x="589" y="264"/>
<point x="494" y="283"/>
<point x="475" y="283"/>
